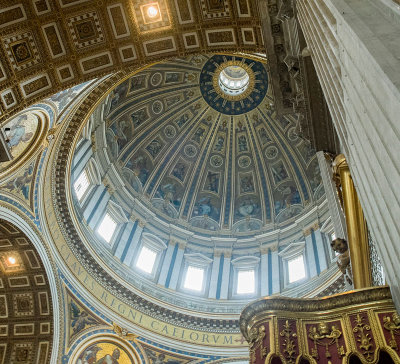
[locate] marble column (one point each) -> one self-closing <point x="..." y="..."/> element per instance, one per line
<point x="81" y="158"/>
<point x="226" y="272"/>
<point x="317" y="237"/>
<point x="125" y="239"/>
<point x="311" y="255"/>
<point x="354" y="46"/>
<point x="275" y="271"/>
<point x="212" y="293"/>
<point x="176" y="271"/>
<point x="133" y="244"/>
<point x="264" y="271"/>
<point x="166" y="263"/>
<point x="96" y="207"/>
<point x="336" y="212"/>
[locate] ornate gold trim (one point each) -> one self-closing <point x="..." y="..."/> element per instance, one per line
<point x="250" y="86"/>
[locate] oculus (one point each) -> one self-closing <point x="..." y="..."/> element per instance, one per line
<point x="233" y="86"/>
<point x="233" y="80"/>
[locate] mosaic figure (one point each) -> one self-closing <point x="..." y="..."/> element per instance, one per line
<point x="182" y="120"/>
<point x="154" y="148"/>
<point x="138" y="82"/>
<point x="264" y="138"/>
<point x="242" y="143"/>
<point x="21" y="184"/>
<point x="198" y="135"/>
<point x="139" y="167"/>
<point x="80" y="318"/>
<point x="118" y="94"/>
<point x="212" y="182"/>
<point x="18" y="131"/>
<point x="138" y="117"/>
<point x="104" y="353"/>
<point x="168" y="191"/>
<point x="279" y="172"/>
<point x="123" y="131"/>
<point x="179" y="171"/>
<point x="247" y="208"/>
<point x="246" y="184"/>
<point x="205" y="207"/>
<point x="219" y="145"/>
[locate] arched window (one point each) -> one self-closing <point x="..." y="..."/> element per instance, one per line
<point x="149" y="255"/>
<point x="87" y="179"/>
<point x="195" y="272"/>
<point x="245" y="279"/>
<point x="294" y="263"/>
<point x="111" y="222"/>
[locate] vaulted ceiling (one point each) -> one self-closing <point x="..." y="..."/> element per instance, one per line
<point x="198" y="157"/>
<point x="47" y="46"/>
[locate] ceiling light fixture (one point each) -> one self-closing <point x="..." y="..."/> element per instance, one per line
<point x="152" y="11"/>
<point x="12" y="260"/>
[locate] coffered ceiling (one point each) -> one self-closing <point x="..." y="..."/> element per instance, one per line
<point x="47" y="46"/>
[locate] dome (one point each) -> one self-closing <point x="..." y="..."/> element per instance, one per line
<point x="200" y="161"/>
<point x="186" y="191"/>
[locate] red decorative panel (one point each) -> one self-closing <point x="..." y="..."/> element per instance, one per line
<point x="390" y="323"/>
<point x="326" y="342"/>
<point x="363" y="336"/>
<point x="288" y="339"/>
<point x="259" y="343"/>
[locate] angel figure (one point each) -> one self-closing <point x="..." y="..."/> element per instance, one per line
<point x="80" y="319"/>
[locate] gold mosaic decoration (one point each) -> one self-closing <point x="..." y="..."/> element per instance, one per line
<point x="245" y="93"/>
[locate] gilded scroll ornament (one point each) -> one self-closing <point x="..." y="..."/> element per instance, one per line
<point x="326" y="336"/>
<point x="392" y="324"/>
<point x="123" y="333"/>
<point x="256" y="339"/>
<point x="288" y="343"/>
<point x="363" y="337"/>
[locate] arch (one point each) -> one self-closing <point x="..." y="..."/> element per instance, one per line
<point x="385" y="358"/>
<point x="304" y="360"/>
<point x="353" y="359"/>
<point x="93" y="171"/>
<point x="9" y="215"/>
<point x="113" y="342"/>
<point x="30" y="128"/>
<point x="275" y="359"/>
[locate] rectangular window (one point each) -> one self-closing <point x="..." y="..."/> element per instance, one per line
<point x="296" y="269"/>
<point x="146" y="259"/>
<point x="245" y="281"/>
<point x="81" y="185"/>
<point x="107" y="227"/>
<point x="194" y="278"/>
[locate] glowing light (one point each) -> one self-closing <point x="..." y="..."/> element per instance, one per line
<point x="245" y="281"/>
<point x="12" y="260"/>
<point x="152" y="11"/>
<point x="194" y="278"/>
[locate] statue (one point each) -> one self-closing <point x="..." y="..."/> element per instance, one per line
<point x="340" y="246"/>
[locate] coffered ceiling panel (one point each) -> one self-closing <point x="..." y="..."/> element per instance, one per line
<point x="47" y="46"/>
